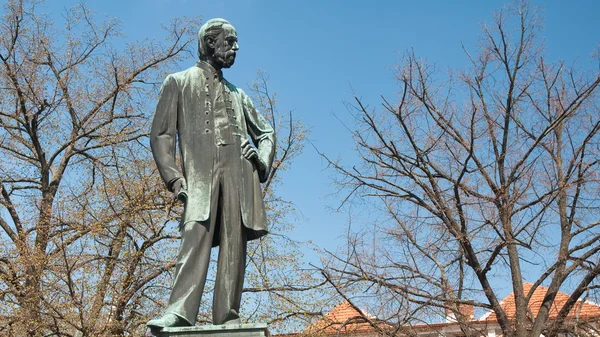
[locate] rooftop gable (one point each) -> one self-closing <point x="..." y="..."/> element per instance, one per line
<point x="342" y="318"/>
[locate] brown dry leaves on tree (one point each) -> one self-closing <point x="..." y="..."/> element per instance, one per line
<point x="483" y="180"/>
<point x="87" y="229"/>
<point x="83" y="226"/>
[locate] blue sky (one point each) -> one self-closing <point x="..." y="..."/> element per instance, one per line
<point x="318" y="53"/>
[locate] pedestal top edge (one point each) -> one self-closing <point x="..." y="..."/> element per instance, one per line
<point x="216" y="328"/>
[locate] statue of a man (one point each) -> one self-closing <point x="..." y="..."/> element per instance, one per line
<point x="220" y="177"/>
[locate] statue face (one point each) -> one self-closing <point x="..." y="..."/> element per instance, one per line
<point x="225" y="47"/>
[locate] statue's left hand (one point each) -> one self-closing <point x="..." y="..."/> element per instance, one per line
<point x="249" y="152"/>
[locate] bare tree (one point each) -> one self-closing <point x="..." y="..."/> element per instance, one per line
<point x="489" y="173"/>
<point x="88" y="231"/>
<point x="81" y="213"/>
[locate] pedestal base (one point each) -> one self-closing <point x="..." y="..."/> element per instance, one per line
<point x="232" y="330"/>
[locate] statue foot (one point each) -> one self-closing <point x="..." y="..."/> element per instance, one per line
<point x="232" y="318"/>
<point x="167" y="321"/>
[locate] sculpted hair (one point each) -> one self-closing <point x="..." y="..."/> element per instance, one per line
<point x="210" y="28"/>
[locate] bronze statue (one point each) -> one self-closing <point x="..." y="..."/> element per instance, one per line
<point x="219" y="181"/>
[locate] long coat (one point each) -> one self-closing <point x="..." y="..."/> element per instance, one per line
<point x="185" y="109"/>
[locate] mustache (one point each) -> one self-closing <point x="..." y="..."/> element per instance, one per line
<point x="226" y="54"/>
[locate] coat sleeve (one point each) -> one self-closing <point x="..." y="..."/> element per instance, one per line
<point x="262" y="135"/>
<point x="164" y="131"/>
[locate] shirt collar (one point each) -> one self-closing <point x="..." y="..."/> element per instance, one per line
<point x="217" y="73"/>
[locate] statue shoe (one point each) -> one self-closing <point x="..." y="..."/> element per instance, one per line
<point x="167" y="321"/>
<point x="232" y="318"/>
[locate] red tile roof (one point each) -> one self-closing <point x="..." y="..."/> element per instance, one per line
<point x="581" y="309"/>
<point x="343" y="318"/>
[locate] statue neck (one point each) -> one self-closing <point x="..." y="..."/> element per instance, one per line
<point x="211" y="66"/>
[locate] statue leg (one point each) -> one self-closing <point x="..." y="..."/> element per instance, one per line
<point x="191" y="270"/>
<point x="231" y="262"/>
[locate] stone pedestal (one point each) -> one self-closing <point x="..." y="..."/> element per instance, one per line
<point x="232" y="330"/>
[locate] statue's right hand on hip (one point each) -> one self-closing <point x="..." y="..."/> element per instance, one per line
<point x="249" y="152"/>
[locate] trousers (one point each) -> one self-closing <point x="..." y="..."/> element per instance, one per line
<point x="225" y="220"/>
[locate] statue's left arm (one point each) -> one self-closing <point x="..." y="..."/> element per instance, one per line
<point x="164" y="132"/>
<point x="262" y="135"/>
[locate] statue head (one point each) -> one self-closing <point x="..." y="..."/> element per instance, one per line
<point x="217" y="43"/>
